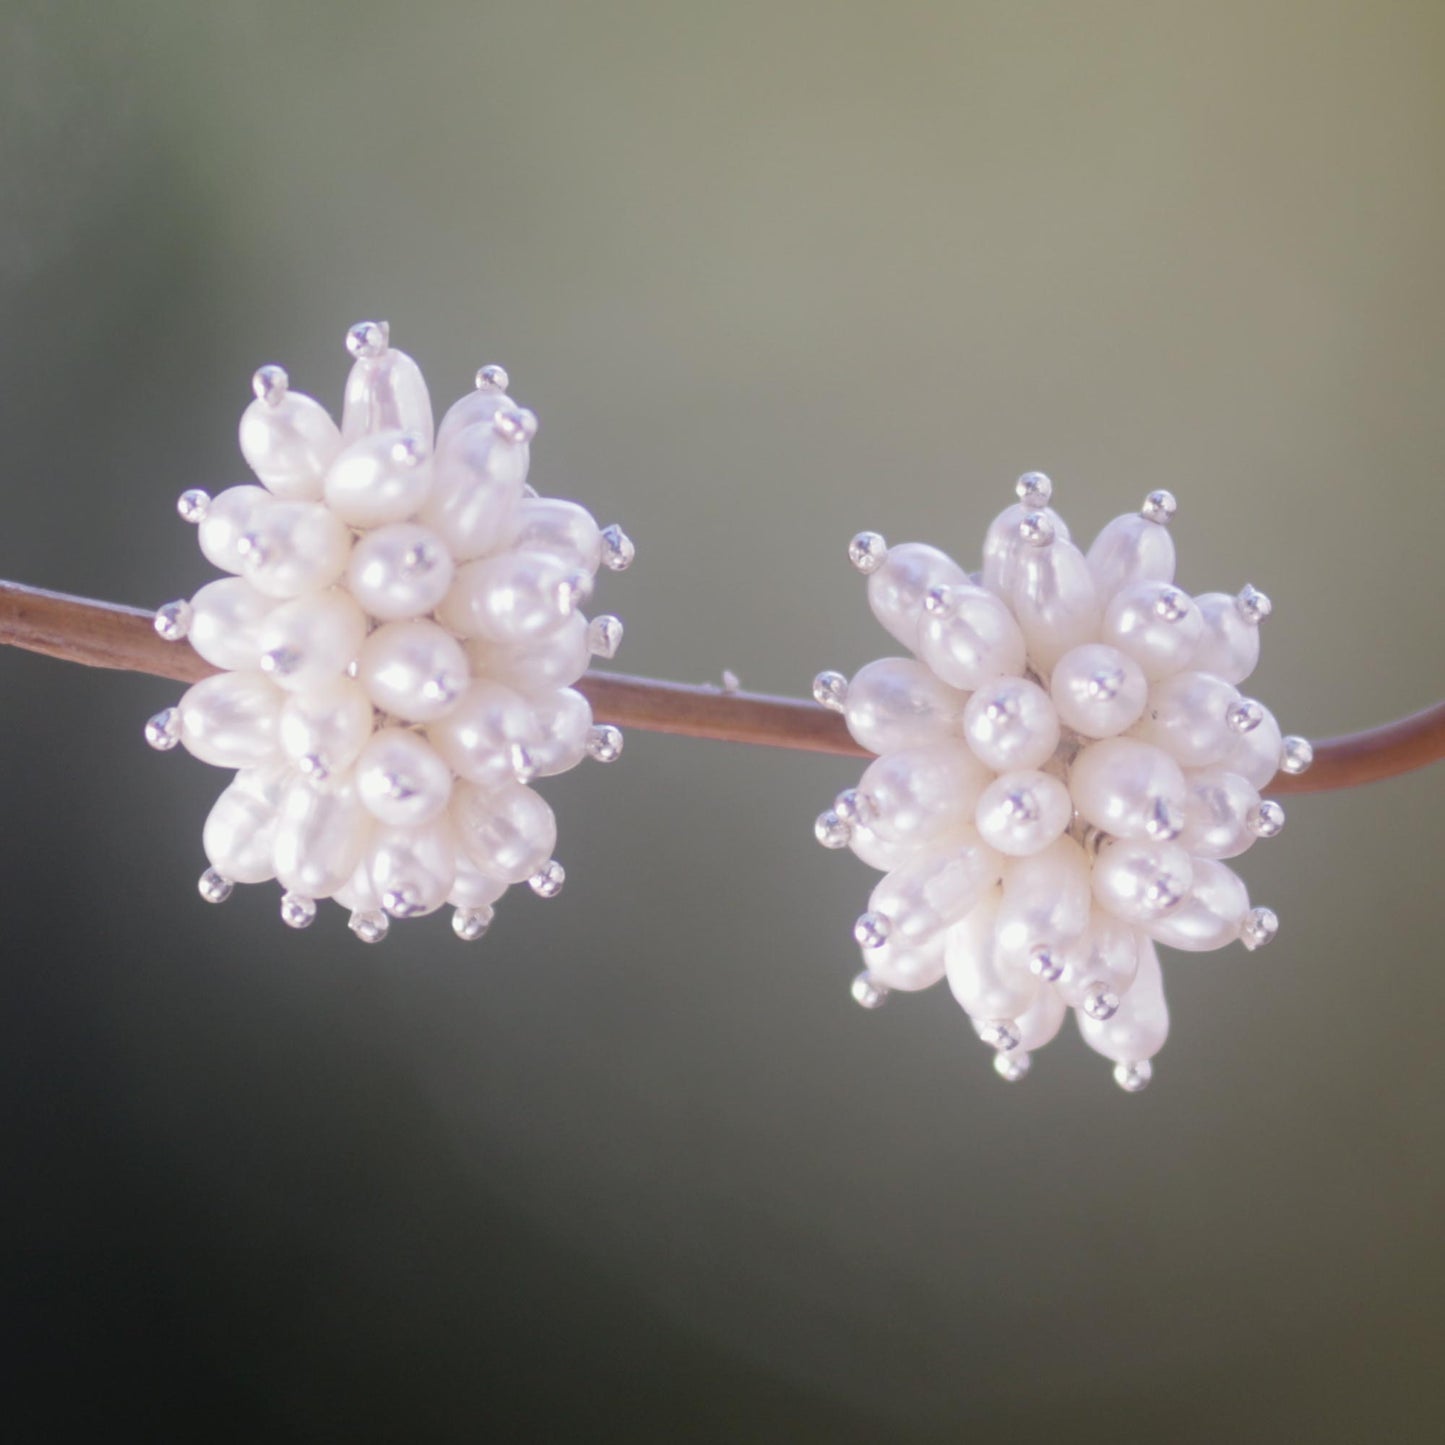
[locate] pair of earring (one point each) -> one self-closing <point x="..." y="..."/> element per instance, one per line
<point x="1063" y="761"/>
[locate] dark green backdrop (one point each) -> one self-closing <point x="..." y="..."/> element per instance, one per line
<point x="637" y="1168"/>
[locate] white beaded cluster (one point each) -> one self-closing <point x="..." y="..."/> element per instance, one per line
<point x="399" y="638"/>
<point x="1063" y="765"/>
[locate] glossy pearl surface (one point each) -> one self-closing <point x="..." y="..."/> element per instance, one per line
<point x="379" y="479"/>
<point x="413" y="670"/>
<point x="311" y="640"/>
<point x="508" y="832"/>
<point x="289" y="445"/>
<point x="231" y="720"/>
<point x="897" y="703"/>
<point x="1022" y="813"/>
<point x="292" y="547"/>
<point x="399" y="571"/>
<point x="225" y="619"/>
<point x="401" y="779"/>
<point x="1098" y="690"/>
<point x="1011" y="724"/>
<point x="898" y="589"/>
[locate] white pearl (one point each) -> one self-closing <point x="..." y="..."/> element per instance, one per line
<point x="986" y="984"/>
<point x="413" y="670"/>
<point x="1131" y="549"/>
<point x="562" y="529"/>
<point x="412" y="869"/>
<point x="908" y="968"/>
<point x="320" y="840"/>
<point x="240" y="831"/>
<point x="509" y="832"/>
<point x="323" y="729"/>
<point x="379" y="479"/>
<point x="1045" y="901"/>
<point x="1188" y="716"/>
<point x="1210" y="917"/>
<point x="1039" y="1023"/>
<point x="1139" y="1028"/>
<point x="886" y="854"/>
<point x="311" y="639"/>
<point x="1229" y="642"/>
<point x="1157" y="625"/>
<point x="1011" y="725"/>
<point x="563" y="725"/>
<point x="1022" y="813"/>
<point x="293" y="547"/>
<point x="1128" y="788"/>
<point x="357" y="892"/>
<point x="1141" y="881"/>
<point x="512" y="598"/>
<point x="476" y="491"/>
<point x="399" y="571"/>
<point x="289" y="445"/>
<point x="1107" y="953"/>
<point x="471" y="888"/>
<point x="554" y="660"/>
<point x="1055" y="601"/>
<point x="1216" y="814"/>
<point x="1256" y="755"/>
<point x="225" y="616"/>
<point x="1004" y="545"/>
<point x="1098" y="690"/>
<point x="401" y="779"/>
<point x="229" y="518"/>
<point x="895" y="703"/>
<point x="924" y="897"/>
<point x="386" y="393"/>
<point x="972" y="639"/>
<point x="477" y="409"/>
<point x="898" y="588"/>
<point x="477" y="736"/>
<point x="230" y="720"/>
<point x="923" y="792"/>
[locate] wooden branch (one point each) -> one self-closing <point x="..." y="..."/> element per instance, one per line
<point x="102" y="634"/>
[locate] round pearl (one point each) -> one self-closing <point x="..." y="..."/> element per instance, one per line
<point x="225" y="617"/>
<point x="293" y="547"/>
<point x="926" y="896"/>
<point x="1157" y="625"/>
<point x="1140" y="882"/>
<point x="1055" y="602"/>
<point x="289" y="445"/>
<point x="1210" y="917"/>
<point x="324" y="728"/>
<point x="412" y="869"/>
<point x="1011" y="725"/>
<point x="413" y="670"/>
<point x="1022" y="813"/>
<point x="510" y="599"/>
<point x="1255" y="755"/>
<point x="923" y="792"/>
<point x="1188" y="716"/>
<point x="1140" y="1026"/>
<point x="239" y="836"/>
<point x="987" y="985"/>
<point x="1098" y="690"/>
<point x="1107" y="954"/>
<point x="898" y="703"/>
<point x="476" y="491"/>
<point x="509" y="832"/>
<point x="320" y="839"/>
<point x="1128" y="788"/>
<point x="1229" y="641"/>
<point x="562" y="723"/>
<point x="230" y="720"/>
<point x="399" y="571"/>
<point x="1216" y="814"/>
<point x="379" y="479"/>
<point x="386" y="393"/>
<point x="971" y="640"/>
<point x="561" y="529"/>
<point x="898" y="588"/>
<point x="1131" y="549"/>
<point x="478" y="735"/>
<point x="557" y="659"/>
<point x="1045" y="901"/>
<point x="1004" y="544"/>
<point x="230" y="517"/>
<point x="310" y="640"/>
<point x="401" y="780"/>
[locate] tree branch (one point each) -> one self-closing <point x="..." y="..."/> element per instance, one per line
<point x="102" y="634"/>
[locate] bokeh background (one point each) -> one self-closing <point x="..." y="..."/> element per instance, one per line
<point x="637" y="1168"/>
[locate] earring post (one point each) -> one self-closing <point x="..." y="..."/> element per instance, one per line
<point x="109" y="635"/>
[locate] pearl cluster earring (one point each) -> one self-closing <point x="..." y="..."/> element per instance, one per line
<point x="398" y="642"/>
<point x="1063" y="765"/>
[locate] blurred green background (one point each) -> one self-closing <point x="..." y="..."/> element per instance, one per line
<point x="637" y="1168"/>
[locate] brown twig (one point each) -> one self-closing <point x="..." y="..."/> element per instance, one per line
<point x="102" y="634"/>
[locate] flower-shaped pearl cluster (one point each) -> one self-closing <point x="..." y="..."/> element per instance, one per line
<point x="1063" y="765"/>
<point x="399" y="638"/>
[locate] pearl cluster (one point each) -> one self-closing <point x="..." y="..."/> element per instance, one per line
<point x="1063" y="765"/>
<point x="399" y="638"/>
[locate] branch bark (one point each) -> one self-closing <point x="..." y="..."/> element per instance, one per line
<point x="103" y="634"/>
